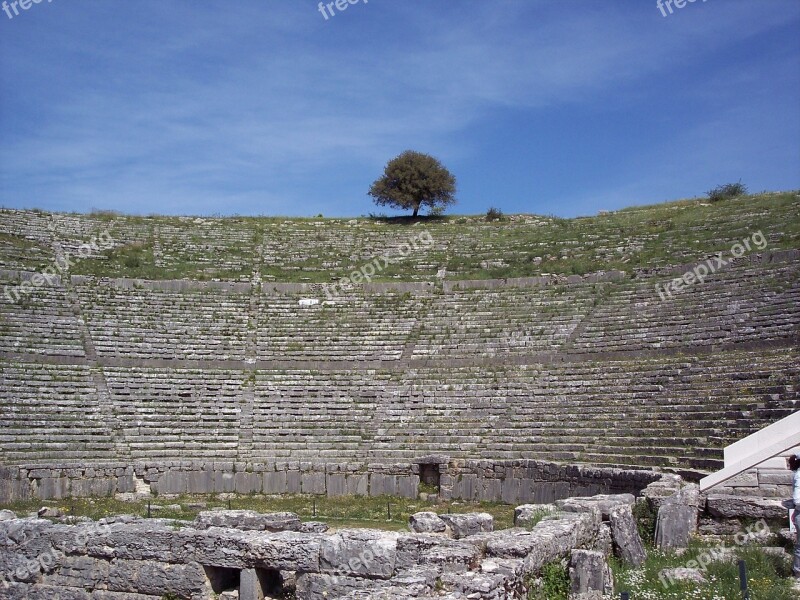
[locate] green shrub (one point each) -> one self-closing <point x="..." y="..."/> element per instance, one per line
<point x="645" y="517"/>
<point x="552" y="584"/>
<point x="494" y="214"/>
<point x="726" y="191"/>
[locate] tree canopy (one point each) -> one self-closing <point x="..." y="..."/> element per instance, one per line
<point x="414" y="180"/>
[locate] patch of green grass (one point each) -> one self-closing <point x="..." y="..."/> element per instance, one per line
<point x="321" y="250"/>
<point x="645" y="517"/>
<point x="552" y="582"/>
<point x="768" y="576"/>
<point x="385" y="512"/>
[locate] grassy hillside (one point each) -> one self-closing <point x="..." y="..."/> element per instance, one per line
<point x="321" y="250"/>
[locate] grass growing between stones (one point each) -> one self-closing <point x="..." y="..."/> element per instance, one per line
<point x="768" y="576"/>
<point x="385" y="512"/>
<point x="551" y="584"/>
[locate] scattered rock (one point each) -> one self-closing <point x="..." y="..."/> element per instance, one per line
<point x="248" y="520"/>
<point x="589" y="572"/>
<point x="682" y="574"/>
<point x="527" y="515"/>
<point x="313" y="527"/>
<point x="47" y="512"/>
<point x="7" y="515"/>
<point x="744" y="507"/>
<point x="625" y="535"/>
<point x="426" y="522"/>
<point x="605" y="502"/>
<point x="467" y="524"/>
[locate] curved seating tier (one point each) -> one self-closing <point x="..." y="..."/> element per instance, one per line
<point x="674" y="412"/>
<point x="52" y="413"/>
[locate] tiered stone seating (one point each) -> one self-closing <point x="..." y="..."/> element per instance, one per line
<point x="308" y="415"/>
<point x="660" y="413"/>
<point x="353" y="326"/>
<point x="501" y="322"/>
<point x="51" y="413"/>
<point x="177" y="413"/>
<point x="742" y="304"/>
<point x="211" y="245"/>
<point x="165" y="324"/>
<point x="41" y="322"/>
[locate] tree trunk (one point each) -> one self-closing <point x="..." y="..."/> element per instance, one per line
<point x="416" y="210"/>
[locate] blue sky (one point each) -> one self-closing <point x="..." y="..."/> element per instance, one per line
<point x="562" y="107"/>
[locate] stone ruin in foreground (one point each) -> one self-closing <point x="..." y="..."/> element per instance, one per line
<point x="528" y="391"/>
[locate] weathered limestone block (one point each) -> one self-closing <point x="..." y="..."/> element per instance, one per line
<point x="626" y="536"/>
<point x="285" y="551"/>
<point x="604" y="502"/>
<point x="467" y="524"/>
<point x="506" y="544"/>
<point x="589" y="572"/>
<point x="313" y="527"/>
<point x="682" y="574"/>
<point x="604" y="542"/>
<point x="444" y="554"/>
<point x="483" y="586"/>
<point x="24" y="591"/>
<point x="359" y="552"/>
<point x="556" y="537"/>
<point x="313" y="483"/>
<point x="316" y="586"/>
<point x="149" y="577"/>
<point x="150" y="540"/>
<point x="52" y="488"/>
<point x="675" y="524"/>
<point x="248" y="520"/>
<point x="274" y="482"/>
<point x="426" y="522"/>
<point x="730" y="507"/>
<point x="216" y="547"/>
<point x="526" y="514"/>
<point x="81" y="572"/>
<point x="658" y="491"/>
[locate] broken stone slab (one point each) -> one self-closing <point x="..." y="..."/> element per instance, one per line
<point x="555" y="538"/>
<point x="282" y="551"/>
<point x="7" y="515"/>
<point x="589" y="572"/>
<point x="603" y="541"/>
<point x="527" y="515"/>
<point x="426" y="522"/>
<point x="731" y="507"/>
<point x="322" y="586"/>
<point x="443" y="554"/>
<point x="658" y="491"/>
<point x="627" y="541"/>
<point x="359" y="553"/>
<point x="464" y="525"/>
<point x="675" y="525"/>
<point x="313" y="527"/>
<point x="248" y="520"/>
<point x="479" y="585"/>
<point x="605" y="502"/>
<point x="681" y="574"/>
<point x="688" y="495"/>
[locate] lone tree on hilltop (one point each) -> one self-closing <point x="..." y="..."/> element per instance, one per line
<point x="414" y="180"/>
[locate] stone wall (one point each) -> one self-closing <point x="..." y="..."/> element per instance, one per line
<point x="508" y="481"/>
<point x="131" y="558"/>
